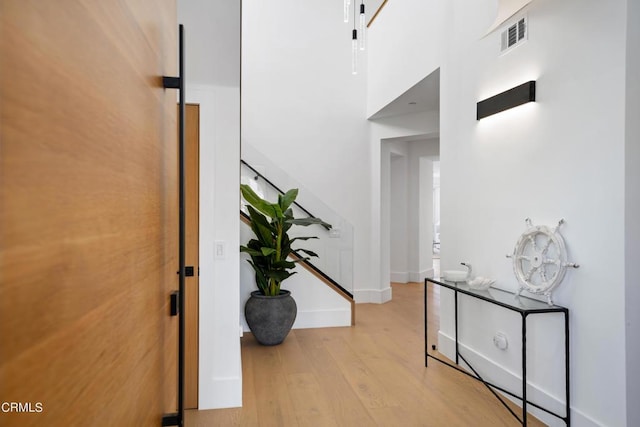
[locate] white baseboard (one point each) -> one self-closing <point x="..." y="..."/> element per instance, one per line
<point x="512" y="381"/>
<point x="399" y="276"/>
<point x="306" y="319"/>
<point x="373" y="296"/>
<point x="322" y="318"/>
<point x="221" y="392"/>
<point x="410" y="276"/>
<point x="419" y="276"/>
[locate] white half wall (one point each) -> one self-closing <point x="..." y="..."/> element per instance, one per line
<point x="560" y="157"/>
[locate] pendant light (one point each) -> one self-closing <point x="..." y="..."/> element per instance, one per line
<point x="363" y="26"/>
<point x="354" y="51"/>
<point x="354" y="44"/>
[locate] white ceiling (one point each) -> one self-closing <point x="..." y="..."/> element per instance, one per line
<point x="421" y="97"/>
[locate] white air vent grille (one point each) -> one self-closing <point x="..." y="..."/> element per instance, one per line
<point x="514" y="35"/>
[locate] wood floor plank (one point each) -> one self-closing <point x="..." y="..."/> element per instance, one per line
<point x="273" y="400"/>
<point x="249" y="413"/>
<point x="312" y="407"/>
<point x="346" y="406"/>
<point x="292" y="358"/>
<point x="364" y="381"/>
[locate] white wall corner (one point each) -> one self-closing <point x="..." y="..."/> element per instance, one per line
<point x="373" y="296"/>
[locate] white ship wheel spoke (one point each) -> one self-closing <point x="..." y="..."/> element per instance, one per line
<point x="546" y="246"/>
<point x="530" y="273"/>
<point x="543" y="273"/>
<point x="540" y="259"/>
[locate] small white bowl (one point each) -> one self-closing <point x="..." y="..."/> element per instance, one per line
<point x="455" y="275"/>
<point x="480" y="283"/>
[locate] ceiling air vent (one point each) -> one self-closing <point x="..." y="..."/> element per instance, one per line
<point x="514" y="35"/>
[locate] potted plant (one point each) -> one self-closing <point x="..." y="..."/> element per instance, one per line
<point x="271" y="311"/>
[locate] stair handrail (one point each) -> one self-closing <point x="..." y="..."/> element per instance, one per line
<point x="275" y="187"/>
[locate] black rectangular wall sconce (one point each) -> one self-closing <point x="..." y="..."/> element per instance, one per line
<point x="518" y="95"/>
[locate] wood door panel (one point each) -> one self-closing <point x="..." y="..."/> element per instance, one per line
<point x="88" y="211"/>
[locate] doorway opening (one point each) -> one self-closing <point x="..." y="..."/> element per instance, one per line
<point x="411" y="222"/>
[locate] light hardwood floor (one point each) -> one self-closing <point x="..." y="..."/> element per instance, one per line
<point x="371" y="374"/>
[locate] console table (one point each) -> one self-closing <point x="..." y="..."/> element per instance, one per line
<point x="524" y="306"/>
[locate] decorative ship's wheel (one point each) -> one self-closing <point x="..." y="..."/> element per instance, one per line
<point x="540" y="259"/>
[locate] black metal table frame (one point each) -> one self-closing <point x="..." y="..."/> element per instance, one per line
<point x="524" y="314"/>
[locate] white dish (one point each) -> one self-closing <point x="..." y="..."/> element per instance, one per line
<point x="455" y="275"/>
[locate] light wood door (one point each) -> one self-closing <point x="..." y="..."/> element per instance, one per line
<point x="88" y="211"/>
<point x="192" y="206"/>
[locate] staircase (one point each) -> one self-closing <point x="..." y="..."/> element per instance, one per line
<point x="333" y="267"/>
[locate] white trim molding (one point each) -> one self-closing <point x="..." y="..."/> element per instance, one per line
<point x="410" y="276"/>
<point x="375" y="296"/>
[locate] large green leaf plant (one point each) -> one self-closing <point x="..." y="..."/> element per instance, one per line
<point x="271" y="246"/>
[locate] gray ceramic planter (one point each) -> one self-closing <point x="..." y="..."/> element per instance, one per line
<point x="270" y="318"/>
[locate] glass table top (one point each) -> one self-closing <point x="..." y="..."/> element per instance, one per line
<point x="500" y="297"/>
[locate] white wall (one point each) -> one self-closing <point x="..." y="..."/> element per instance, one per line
<point x="212" y="33"/>
<point x="561" y="157"/>
<point x="304" y="109"/>
<point x="402" y="55"/>
<point x="632" y="212"/>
